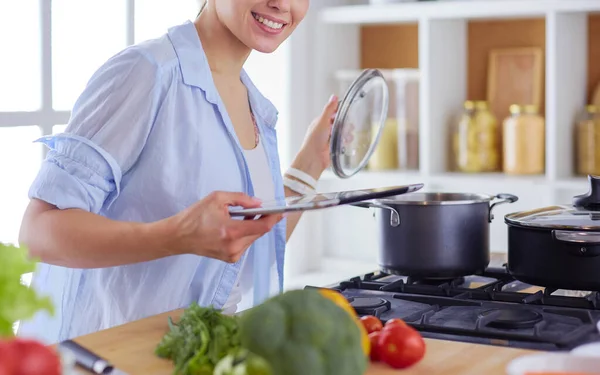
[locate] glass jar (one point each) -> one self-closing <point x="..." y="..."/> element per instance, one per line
<point x="398" y="146"/>
<point x="524" y="141"/>
<point x="405" y="108"/>
<point x="385" y="156"/>
<point x="588" y="142"/>
<point x="476" y="139"/>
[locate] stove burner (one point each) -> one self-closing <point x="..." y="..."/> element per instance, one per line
<point x="490" y="307"/>
<point x="513" y="318"/>
<point x="455" y="281"/>
<point x="370" y="305"/>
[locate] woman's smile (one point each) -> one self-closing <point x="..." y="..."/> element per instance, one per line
<point x="269" y="24"/>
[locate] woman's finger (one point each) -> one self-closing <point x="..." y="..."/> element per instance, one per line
<point x="236" y="199"/>
<point x="244" y="228"/>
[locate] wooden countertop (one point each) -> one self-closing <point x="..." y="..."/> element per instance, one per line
<point x="130" y="347"/>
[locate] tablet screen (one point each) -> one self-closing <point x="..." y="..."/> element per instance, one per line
<point x="323" y="200"/>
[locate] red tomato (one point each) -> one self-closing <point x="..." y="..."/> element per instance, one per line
<point x="374" y="337"/>
<point x="35" y="358"/>
<point x="394" y="322"/>
<point x="401" y="346"/>
<point x="371" y="323"/>
<point x="8" y="358"/>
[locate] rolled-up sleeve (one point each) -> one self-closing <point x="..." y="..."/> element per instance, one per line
<point x="106" y="134"/>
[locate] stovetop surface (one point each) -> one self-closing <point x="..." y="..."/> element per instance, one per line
<point x="492" y="308"/>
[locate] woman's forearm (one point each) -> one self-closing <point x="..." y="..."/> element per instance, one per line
<point x="305" y="162"/>
<point x="293" y="218"/>
<point x="78" y="239"/>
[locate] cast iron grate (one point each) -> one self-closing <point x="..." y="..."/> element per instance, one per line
<point x="551" y="322"/>
<point x="492" y="291"/>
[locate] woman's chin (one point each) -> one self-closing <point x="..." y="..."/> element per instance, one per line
<point x="264" y="46"/>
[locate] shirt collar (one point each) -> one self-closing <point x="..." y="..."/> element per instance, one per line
<point x="196" y="72"/>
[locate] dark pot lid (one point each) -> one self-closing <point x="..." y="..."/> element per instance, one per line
<point x="358" y="123"/>
<point x="583" y="214"/>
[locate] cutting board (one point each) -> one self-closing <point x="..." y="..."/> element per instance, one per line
<point x="130" y="347"/>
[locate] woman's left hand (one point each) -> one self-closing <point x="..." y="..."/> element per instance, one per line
<point x="314" y="157"/>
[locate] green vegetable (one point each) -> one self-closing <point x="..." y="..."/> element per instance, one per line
<point x="242" y="362"/>
<point x="17" y="301"/>
<point x="302" y="332"/>
<point x="200" y="340"/>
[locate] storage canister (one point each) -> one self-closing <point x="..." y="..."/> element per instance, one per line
<point x="524" y="141"/>
<point x="587" y="135"/>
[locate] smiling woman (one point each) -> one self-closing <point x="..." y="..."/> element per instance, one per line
<point x="110" y="210"/>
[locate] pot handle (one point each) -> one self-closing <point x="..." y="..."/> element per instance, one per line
<point x="394" y="216"/>
<point x="503" y="198"/>
<point x="587" y="240"/>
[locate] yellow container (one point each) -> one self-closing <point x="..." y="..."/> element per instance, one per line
<point x="476" y="139"/>
<point x="588" y="142"/>
<point x="524" y="141"/>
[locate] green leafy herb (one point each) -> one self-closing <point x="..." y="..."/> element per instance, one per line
<point x="201" y="338"/>
<point x="243" y="362"/>
<point x="17" y="301"/>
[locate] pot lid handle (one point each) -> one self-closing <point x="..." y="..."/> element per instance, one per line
<point x="590" y="200"/>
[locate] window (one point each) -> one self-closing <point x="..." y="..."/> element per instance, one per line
<point x="20" y="75"/>
<point x="153" y="18"/>
<point x="20" y="160"/>
<point x="61" y="43"/>
<point x="80" y="43"/>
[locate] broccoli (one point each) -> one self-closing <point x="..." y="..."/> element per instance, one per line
<point x="302" y="332"/>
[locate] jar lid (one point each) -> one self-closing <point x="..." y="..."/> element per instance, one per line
<point x="358" y="123"/>
<point x="582" y="215"/>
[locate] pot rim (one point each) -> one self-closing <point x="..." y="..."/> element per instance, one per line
<point x="416" y="199"/>
<point x="550" y="227"/>
<point x="561" y="212"/>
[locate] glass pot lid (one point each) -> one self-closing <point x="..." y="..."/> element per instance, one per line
<point x="583" y="214"/>
<point x="358" y="123"/>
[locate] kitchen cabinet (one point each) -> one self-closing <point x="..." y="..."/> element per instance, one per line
<point x="440" y="40"/>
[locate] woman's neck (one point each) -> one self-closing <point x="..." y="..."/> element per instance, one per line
<point x="225" y="53"/>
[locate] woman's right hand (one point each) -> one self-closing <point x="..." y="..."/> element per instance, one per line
<point x="206" y="228"/>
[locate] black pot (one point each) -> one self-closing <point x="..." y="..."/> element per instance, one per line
<point x="558" y="246"/>
<point x="435" y="235"/>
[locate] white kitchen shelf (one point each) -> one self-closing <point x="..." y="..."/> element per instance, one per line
<point x="330" y="40"/>
<point x="489" y="9"/>
<point x="382" y="178"/>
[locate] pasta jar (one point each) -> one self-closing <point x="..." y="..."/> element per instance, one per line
<point x="476" y="145"/>
<point x="524" y="141"/>
<point x="385" y="156"/>
<point x="588" y="142"/>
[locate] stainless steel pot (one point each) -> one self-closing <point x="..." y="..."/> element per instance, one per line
<point x="435" y="235"/>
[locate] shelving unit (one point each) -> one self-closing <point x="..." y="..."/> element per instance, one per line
<point x="448" y="42"/>
<point x="396" y="13"/>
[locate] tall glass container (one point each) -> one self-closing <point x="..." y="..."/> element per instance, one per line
<point x="524" y="141"/>
<point x="476" y="144"/>
<point x="587" y="137"/>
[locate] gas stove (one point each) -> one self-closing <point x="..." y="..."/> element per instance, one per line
<point x="492" y="308"/>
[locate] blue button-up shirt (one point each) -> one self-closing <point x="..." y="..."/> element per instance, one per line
<point x="148" y="137"/>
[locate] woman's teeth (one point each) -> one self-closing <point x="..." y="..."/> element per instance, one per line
<point x="264" y="21"/>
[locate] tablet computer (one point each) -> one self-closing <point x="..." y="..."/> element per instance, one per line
<point x="322" y="200"/>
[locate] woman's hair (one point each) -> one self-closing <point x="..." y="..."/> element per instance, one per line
<point x="202" y="6"/>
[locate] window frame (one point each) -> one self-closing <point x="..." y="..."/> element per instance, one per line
<point x="46" y="117"/>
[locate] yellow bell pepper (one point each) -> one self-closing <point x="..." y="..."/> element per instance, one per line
<point x="341" y="301"/>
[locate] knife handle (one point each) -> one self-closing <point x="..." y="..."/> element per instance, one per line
<point x="85" y="358"/>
